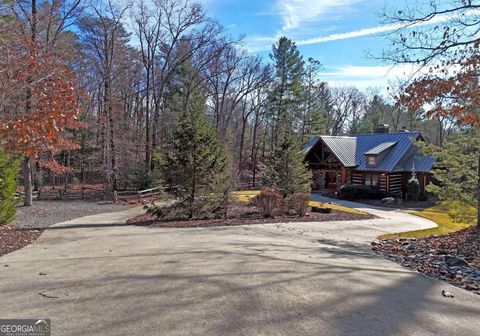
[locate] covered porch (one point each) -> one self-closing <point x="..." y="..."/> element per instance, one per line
<point x="329" y="178"/>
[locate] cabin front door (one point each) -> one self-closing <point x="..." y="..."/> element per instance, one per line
<point x="331" y="180"/>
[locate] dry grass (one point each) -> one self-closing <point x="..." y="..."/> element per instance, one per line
<point x="246" y="196"/>
<point x="440" y="215"/>
<point x="337" y="207"/>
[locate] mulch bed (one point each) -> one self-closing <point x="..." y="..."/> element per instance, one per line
<point x="241" y="214"/>
<point x="454" y="258"/>
<point x="13" y="239"/>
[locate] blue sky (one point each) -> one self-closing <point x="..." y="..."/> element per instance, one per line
<point x="338" y="33"/>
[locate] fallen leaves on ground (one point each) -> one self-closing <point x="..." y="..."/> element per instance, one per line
<point x="13" y="239"/>
<point x="454" y="258"/>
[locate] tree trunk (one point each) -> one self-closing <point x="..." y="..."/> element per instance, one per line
<point x="242" y="140"/>
<point x="478" y="195"/>
<point x="254" y="151"/>
<point x="112" y="148"/>
<point x="39" y="181"/>
<point x="27" y="181"/>
<point x="27" y="162"/>
<point x="148" y="157"/>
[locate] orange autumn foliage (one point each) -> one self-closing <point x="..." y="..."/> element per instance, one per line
<point x="457" y="95"/>
<point x="41" y="103"/>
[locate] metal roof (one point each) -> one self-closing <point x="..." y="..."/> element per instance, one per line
<point x="309" y="145"/>
<point x="351" y="150"/>
<point x="421" y="163"/>
<point x="365" y="142"/>
<point x="343" y="147"/>
<point x="380" y="148"/>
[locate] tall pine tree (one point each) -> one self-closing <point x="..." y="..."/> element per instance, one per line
<point x="286" y="97"/>
<point x="196" y="165"/>
<point x="314" y="116"/>
<point x="285" y="169"/>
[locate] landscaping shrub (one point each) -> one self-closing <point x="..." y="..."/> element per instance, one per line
<point x="269" y="201"/>
<point x="299" y="203"/>
<point x="8" y="172"/>
<point x="413" y="188"/>
<point x="203" y="208"/>
<point x="353" y="191"/>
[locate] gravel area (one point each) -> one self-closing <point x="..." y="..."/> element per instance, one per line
<point x="45" y="213"/>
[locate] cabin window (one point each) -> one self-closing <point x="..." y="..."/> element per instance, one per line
<point x="371" y="180"/>
<point x="371" y="161"/>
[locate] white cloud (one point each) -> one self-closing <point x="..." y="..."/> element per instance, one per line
<point x="348" y="71"/>
<point x="378" y="76"/>
<point x="297" y="12"/>
<point x="367" y="76"/>
<point x="351" y="34"/>
<point x="375" y="30"/>
<point x="259" y="43"/>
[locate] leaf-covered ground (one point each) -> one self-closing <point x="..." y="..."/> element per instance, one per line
<point x="13" y="239"/>
<point x="430" y="256"/>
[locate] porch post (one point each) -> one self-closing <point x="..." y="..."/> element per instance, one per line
<point x="344" y="175"/>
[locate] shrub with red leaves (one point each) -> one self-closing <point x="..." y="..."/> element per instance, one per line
<point x="269" y="201"/>
<point x="299" y="203"/>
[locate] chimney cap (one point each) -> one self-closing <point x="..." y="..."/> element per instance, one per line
<point x="382" y="128"/>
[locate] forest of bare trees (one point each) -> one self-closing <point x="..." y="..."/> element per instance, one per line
<point x="123" y="65"/>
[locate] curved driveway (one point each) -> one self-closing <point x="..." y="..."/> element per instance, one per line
<point x="98" y="276"/>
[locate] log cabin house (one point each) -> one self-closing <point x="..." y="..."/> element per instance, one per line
<point x="381" y="160"/>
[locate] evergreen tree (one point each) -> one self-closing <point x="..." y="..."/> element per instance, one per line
<point x="285" y="168"/>
<point x="458" y="171"/>
<point x="378" y="111"/>
<point x="8" y="173"/>
<point x="314" y="116"/>
<point x="286" y="97"/>
<point x="197" y="165"/>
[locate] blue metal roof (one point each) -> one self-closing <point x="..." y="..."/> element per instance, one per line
<point x="402" y="154"/>
<point x="421" y="163"/>
<point x="380" y="148"/>
<point x="366" y="142"/>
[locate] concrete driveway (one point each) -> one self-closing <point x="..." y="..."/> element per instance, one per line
<point x="97" y="276"/>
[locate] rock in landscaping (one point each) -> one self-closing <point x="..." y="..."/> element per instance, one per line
<point x="456" y="261"/>
<point x="447" y="294"/>
<point x="321" y="210"/>
<point x="454" y="258"/>
<point x="388" y="200"/>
